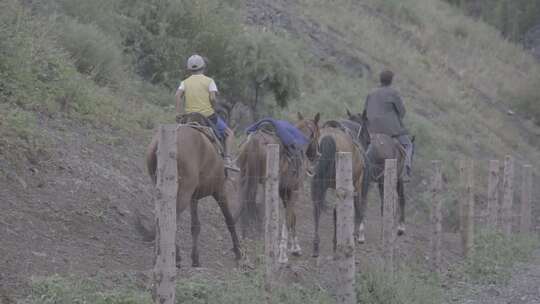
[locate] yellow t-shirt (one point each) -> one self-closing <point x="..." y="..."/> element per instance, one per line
<point x="197" y="90"/>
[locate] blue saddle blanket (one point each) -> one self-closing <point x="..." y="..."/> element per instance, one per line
<point x="289" y="135"/>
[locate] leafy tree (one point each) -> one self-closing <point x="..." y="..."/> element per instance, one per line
<point x="268" y="64"/>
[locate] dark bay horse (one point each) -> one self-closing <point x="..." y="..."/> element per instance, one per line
<point x="252" y="163"/>
<point x="335" y="139"/>
<point x="201" y="173"/>
<point x="380" y="147"/>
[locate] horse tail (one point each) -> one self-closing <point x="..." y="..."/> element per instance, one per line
<point x="151" y="159"/>
<point x="325" y="172"/>
<point x="250" y="179"/>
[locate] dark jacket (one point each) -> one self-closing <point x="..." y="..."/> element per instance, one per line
<point x="384" y="112"/>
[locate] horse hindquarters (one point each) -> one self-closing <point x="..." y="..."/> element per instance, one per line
<point x="325" y="173"/>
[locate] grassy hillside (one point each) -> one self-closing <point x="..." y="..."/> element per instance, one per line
<point x="110" y="68"/>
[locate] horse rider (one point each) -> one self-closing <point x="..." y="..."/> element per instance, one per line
<point x="384" y="112"/>
<point x="197" y="94"/>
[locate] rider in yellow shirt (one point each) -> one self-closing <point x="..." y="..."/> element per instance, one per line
<point x="197" y="94"/>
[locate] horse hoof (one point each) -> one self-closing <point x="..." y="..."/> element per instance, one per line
<point x="315" y="255"/>
<point x="178" y="265"/>
<point x="195" y="264"/>
<point x="401" y="231"/>
<point x="296" y="253"/>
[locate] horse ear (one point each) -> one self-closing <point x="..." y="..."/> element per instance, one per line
<point x="317" y="118"/>
<point x="413" y="138"/>
<point x="349" y="112"/>
<point x="300" y="116"/>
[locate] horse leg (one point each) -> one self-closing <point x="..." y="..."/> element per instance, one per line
<point x="401" y="197"/>
<point x="183" y="199"/>
<point x="293" y="198"/>
<point x="229" y="221"/>
<point x="195" y="231"/>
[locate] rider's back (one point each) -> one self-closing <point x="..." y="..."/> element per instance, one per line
<point x="384" y="110"/>
<point x="198" y="95"/>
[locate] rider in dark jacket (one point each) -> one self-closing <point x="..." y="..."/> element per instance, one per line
<point x="384" y="113"/>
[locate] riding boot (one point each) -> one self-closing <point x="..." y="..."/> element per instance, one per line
<point x="229" y="162"/>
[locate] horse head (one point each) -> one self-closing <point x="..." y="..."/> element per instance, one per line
<point x="310" y="128"/>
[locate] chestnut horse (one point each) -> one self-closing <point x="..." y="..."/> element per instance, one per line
<point x="335" y="139"/>
<point x="201" y="173"/>
<point x="252" y="163"/>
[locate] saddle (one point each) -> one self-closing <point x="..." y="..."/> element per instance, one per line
<point x="200" y="123"/>
<point x="351" y="128"/>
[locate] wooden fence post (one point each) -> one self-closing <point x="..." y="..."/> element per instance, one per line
<point x="165" y="208"/>
<point x="436" y="216"/>
<point x="271" y="198"/>
<point x="388" y="225"/>
<point x="345" y="225"/>
<point x="466" y="169"/>
<point x="526" y="197"/>
<point x="493" y="194"/>
<point x="508" y="196"/>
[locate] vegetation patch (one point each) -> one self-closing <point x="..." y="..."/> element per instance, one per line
<point x="494" y="255"/>
<point x="236" y="288"/>
<point x="406" y="286"/>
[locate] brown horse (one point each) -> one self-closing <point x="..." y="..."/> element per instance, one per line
<point x="201" y="173"/>
<point x="380" y="147"/>
<point x="335" y="139"/>
<point x="252" y="163"/>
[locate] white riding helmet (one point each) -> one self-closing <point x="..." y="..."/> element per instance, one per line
<point x="195" y="63"/>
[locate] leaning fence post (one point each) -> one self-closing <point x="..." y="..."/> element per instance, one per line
<point x="466" y="169"/>
<point x="345" y="225"/>
<point x="389" y="209"/>
<point x="165" y="217"/>
<point x="508" y="196"/>
<point x="271" y="197"/>
<point x="493" y="194"/>
<point x="526" y="197"/>
<point x="436" y="216"/>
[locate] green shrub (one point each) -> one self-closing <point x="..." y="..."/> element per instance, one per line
<point x="244" y="289"/>
<point x="93" y="52"/>
<point x="236" y="288"/>
<point x="406" y="286"/>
